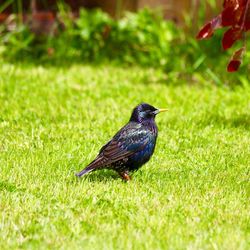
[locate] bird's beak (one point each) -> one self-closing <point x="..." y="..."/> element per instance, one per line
<point x="159" y="111"/>
<point x="162" y="110"/>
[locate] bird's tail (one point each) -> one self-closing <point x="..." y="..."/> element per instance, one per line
<point x="86" y="170"/>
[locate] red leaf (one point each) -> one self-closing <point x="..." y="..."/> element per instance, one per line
<point x="230" y="36"/>
<point x="236" y="60"/>
<point x="208" y="30"/>
<point x="236" y="15"/>
<point x="233" y="65"/>
<point x="228" y="3"/>
<point x="205" y="32"/>
<point x="231" y="16"/>
<point x="247" y="18"/>
<point x="233" y="3"/>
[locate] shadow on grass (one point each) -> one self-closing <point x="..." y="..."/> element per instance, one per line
<point x="238" y="121"/>
<point x="170" y="76"/>
<point x="147" y="79"/>
<point x="67" y="62"/>
<point x="9" y="187"/>
<point x="100" y="176"/>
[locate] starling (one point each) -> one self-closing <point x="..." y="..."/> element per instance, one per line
<point x="132" y="146"/>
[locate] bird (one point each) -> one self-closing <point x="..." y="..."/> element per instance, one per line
<point x="131" y="147"/>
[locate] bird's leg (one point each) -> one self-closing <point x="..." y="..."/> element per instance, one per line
<point x="125" y="176"/>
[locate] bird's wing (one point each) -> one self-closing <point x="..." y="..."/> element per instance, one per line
<point x="129" y="140"/>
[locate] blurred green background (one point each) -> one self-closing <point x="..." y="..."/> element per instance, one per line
<point x="158" y="34"/>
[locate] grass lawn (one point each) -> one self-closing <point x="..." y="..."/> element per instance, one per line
<point x="193" y="193"/>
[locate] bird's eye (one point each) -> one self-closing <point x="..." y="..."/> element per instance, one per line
<point x="147" y="112"/>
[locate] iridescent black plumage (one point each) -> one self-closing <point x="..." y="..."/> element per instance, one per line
<point x="132" y="146"/>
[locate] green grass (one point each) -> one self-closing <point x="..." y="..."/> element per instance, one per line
<point x="193" y="194"/>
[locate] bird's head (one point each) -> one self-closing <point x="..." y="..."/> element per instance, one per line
<point x="144" y="111"/>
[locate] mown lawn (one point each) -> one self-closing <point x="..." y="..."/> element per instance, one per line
<point x="193" y="194"/>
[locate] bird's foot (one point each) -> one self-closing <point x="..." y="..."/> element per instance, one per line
<point x="125" y="176"/>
